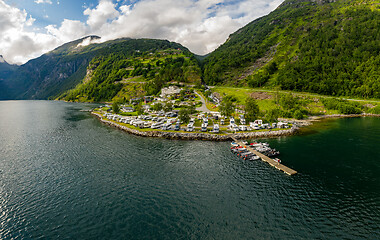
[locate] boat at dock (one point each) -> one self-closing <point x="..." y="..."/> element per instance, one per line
<point x="244" y="153"/>
<point x="261" y="147"/>
<point x="243" y="148"/>
<point x="264" y="149"/>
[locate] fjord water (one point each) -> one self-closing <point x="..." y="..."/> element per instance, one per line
<point x="64" y="175"/>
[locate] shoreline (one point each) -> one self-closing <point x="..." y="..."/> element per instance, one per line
<point x="312" y="119"/>
<point x="198" y="136"/>
<point x="228" y="137"/>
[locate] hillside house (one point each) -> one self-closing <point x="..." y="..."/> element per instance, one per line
<point x="170" y="91"/>
<point x="127" y="109"/>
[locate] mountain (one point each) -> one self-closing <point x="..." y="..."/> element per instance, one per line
<point x="62" y="69"/>
<point x="120" y="76"/>
<point x="51" y="73"/>
<point x="6" y="70"/>
<point x="326" y="47"/>
<point x="329" y="47"/>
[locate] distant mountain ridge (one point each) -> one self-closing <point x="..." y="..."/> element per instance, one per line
<point x="65" y="67"/>
<point x="6" y="70"/>
<point x="2" y="60"/>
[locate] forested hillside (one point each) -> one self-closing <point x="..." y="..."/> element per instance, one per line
<point x="314" y="46"/>
<point x="330" y="48"/>
<point x="62" y="69"/>
<point x="125" y="75"/>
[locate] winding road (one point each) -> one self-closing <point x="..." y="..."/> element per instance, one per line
<point x="203" y="108"/>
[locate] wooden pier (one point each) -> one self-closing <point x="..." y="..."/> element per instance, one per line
<point x="269" y="160"/>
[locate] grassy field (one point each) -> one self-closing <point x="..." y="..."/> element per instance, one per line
<point x="242" y="93"/>
<point x="266" y="98"/>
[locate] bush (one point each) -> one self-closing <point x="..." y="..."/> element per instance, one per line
<point x="272" y="115"/>
<point x="298" y="114"/>
<point x="115" y="107"/>
<point x="343" y="106"/>
<point x="375" y="110"/>
<point x="251" y="109"/>
<point x="184" y="115"/>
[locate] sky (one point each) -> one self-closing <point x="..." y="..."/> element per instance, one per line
<point x="30" y="28"/>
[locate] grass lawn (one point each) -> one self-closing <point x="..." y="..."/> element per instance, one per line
<point x="242" y="93"/>
<point x="314" y="107"/>
<point x="211" y="106"/>
<point x="266" y="104"/>
<point x="239" y="93"/>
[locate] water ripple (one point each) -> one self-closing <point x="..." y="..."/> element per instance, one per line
<point x="63" y="175"/>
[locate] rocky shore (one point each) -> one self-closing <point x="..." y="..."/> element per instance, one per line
<point x="199" y="136"/>
<point x="346" y="116"/>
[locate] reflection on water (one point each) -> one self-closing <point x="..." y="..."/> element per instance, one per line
<point x="63" y="174"/>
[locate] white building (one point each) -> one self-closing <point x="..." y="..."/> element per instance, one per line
<point x="169" y="91"/>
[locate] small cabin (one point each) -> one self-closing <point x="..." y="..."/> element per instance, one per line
<point x="127" y="109"/>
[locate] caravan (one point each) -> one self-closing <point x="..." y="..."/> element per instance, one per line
<point x="190" y="127"/>
<point x="166" y="126"/>
<point x="216" y="128"/>
<point x="156" y="125"/>
<point x="243" y="128"/>
<point x="204" y="127"/>
<point x="254" y="126"/>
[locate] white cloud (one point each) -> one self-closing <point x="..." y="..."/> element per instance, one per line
<point x="17" y="44"/>
<point x="200" y="25"/>
<point x="69" y="30"/>
<point x="101" y="14"/>
<point x="43" y="1"/>
<point x="87" y="41"/>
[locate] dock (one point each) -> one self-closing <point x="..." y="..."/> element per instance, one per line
<point x="269" y="160"/>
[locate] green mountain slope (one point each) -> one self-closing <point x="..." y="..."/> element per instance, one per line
<point x="330" y="48"/>
<point x="125" y="75"/>
<point x="62" y="69"/>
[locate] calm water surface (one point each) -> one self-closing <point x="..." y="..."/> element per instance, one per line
<point x="64" y="175"/>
